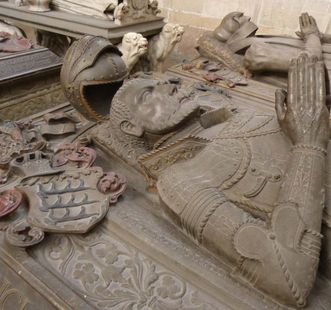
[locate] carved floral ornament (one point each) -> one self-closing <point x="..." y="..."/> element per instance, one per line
<point x="120" y="277"/>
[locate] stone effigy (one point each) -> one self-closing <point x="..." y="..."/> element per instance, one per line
<point x="228" y="197"/>
<point x="233" y="179"/>
<point x="99" y="8"/>
<point x="245" y="184"/>
<point x="10" y="29"/>
<point x="120" y="11"/>
<point x="235" y="44"/>
<point x="12" y="39"/>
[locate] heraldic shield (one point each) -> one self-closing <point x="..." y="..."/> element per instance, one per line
<point x="66" y="202"/>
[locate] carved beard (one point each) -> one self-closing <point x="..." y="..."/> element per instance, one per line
<point x="176" y="110"/>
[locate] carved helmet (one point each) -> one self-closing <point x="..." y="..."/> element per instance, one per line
<point x="92" y="72"/>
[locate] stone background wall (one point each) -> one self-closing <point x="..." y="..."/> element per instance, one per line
<point x="272" y="16"/>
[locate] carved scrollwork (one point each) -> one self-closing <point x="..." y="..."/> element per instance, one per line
<point x="7" y="292"/>
<point x="120" y="277"/>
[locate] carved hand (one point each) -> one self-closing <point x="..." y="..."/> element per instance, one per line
<point x="302" y="113"/>
<point x="307" y="26"/>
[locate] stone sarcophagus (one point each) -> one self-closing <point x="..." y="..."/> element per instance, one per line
<point x="29" y="83"/>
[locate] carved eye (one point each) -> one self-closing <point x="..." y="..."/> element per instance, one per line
<point x="145" y="95"/>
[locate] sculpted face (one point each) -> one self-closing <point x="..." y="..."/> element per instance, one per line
<point x="135" y="44"/>
<point x="156" y="107"/>
<point x="230" y="24"/>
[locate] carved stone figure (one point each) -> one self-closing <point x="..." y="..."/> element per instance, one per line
<point x="246" y="185"/>
<point x="12" y="39"/>
<point x="98" y="8"/>
<point x="142" y="111"/>
<point x="235" y="44"/>
<point x="161" y="45"/>
<point x="271" y="231"/>
<point x="130" y="10"/>
<point x="133" y="46"/>
<point x="231" y="195"/>
<point x="12" y="30"/>
<point x="93" y="69"/>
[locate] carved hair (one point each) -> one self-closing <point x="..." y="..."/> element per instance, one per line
<point x="119" y="109"/>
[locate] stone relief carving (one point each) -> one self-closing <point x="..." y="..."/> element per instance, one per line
<point x="131" y="10"/>
<point x="62" y="190"/>
<point x="24" y="104"/>
<point x="120" y="276"/>
<point x="8" y="292"/>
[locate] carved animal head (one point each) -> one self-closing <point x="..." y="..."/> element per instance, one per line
<point x="134" y="44"/>
<point x="172" y="33"/>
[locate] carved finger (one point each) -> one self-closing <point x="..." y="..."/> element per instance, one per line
<point x="291" y="88"/>
<point x="299" y="34"/>
<point x="301" y="22"/>
<point x="320" y="84"/>
<point x="280" y="100"/>
<point x="305" y="18"/>
<point x="312" y="21"/>
<point x="312" y="85"/>
<point x="301" y="86"/>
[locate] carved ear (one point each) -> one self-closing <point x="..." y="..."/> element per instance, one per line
<point x="131" y="129"/>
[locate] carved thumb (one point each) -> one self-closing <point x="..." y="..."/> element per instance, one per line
<point x="280" y="103"/>
<point x="299" y="34"/>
